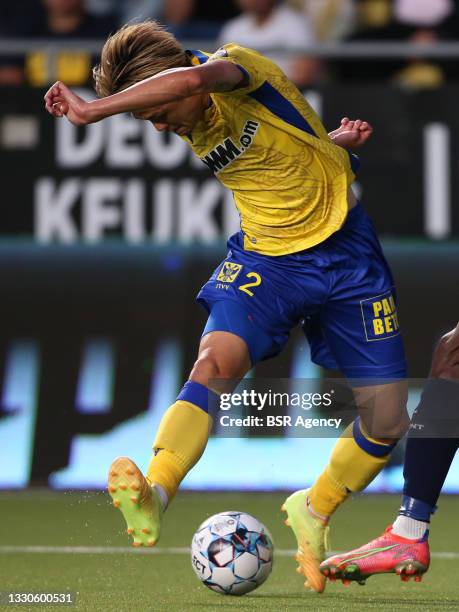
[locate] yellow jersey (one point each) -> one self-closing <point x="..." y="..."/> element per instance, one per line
<point x="265" y="143"/>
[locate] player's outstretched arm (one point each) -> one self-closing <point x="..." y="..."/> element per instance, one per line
<point x="352" y="134"/>
<point x="151" y="94"/>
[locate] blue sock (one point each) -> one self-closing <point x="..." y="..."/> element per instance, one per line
<point x="432" y="443"/>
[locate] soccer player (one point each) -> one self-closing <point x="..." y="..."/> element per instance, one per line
<point x="306" y="253"/>
<point x="432" y="443"/>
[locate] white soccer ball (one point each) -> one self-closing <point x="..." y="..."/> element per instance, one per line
<point x="232" y="553"/>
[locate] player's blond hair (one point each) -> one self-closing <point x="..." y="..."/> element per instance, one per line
<point x="134" y="53"/>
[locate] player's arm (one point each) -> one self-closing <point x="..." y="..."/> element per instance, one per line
<point x="151" y="94"/>
<point x="352" y="134"/>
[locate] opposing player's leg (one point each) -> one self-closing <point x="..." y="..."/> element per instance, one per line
<point x="433" y="440"/>
<point x="432" y="443"/>
<point x="357" y="332"/>
<point x="180" y="441"/>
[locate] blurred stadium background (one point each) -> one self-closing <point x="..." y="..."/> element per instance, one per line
<point x="109" y="231"/>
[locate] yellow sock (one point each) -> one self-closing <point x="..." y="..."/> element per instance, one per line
<point x="180" y="441"/>
<point x="355" y="461"/>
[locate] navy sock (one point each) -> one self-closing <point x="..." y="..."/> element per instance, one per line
<point x="432" y="443"/>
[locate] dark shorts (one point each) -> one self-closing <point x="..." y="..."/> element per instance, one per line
<point x="341" y="292"/>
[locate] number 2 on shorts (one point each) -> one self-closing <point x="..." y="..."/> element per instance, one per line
<point x="255" y="283"/>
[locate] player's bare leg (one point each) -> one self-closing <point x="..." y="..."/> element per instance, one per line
<point x="180" y="440"/>
<point x="222" y="355"/>
<point x="359" y="455"/>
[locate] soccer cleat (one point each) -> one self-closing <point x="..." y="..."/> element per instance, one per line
<point x="387" y="554"/>
<point x="139" y="503"/>
<point x="312" y="537"/>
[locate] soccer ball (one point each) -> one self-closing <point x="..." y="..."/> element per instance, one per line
<point x="232" y="553"/>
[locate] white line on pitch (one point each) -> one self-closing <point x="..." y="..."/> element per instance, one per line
<point x="111" y="550"/>
<point x="93" y="550"/>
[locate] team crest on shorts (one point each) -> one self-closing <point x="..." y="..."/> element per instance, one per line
<point x="229" y="272"/>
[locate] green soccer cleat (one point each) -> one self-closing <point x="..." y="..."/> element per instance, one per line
<point x="137" y="500"/>
<point x="312" y="536"/>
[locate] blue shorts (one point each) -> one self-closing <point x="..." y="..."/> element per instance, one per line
<point x="341" y="292"/>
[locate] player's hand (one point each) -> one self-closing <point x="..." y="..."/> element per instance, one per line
<point x="351" y="134"/>
<point x="61" y="101"/>
<point x="445" y="362"/>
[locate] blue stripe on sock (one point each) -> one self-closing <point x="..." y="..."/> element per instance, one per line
<point x="274" y="101"/>
<point x="416" y="509"/>
<point x="199" y="395"/>
<point x="376" y="450"/>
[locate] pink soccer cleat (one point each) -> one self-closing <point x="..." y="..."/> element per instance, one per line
<point x="387" y="554"/>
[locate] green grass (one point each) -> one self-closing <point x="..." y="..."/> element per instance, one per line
<point x="136" y="582"/>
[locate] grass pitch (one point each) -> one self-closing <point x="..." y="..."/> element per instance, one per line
<point x="106" y="578"/>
